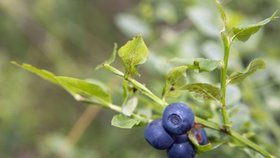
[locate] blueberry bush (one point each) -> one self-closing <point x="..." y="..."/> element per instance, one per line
<point x="176" y="116"/>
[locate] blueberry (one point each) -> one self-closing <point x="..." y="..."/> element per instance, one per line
<point x="201" y="136"/>
<point x="181" y="138"/>
<point x="178" y="118"/>
<point x="181" y="150"/>
<point x="156" y="135"/>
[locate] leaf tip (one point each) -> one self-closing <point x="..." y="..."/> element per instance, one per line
<point x="110" y="60"/>
<point x="15" y="63"/>
<point x="274" y="15"/>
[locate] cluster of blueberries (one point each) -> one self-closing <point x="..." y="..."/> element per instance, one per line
<point x="170" y="132"/>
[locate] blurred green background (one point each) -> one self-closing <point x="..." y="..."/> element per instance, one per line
<point x="68" y="37"/>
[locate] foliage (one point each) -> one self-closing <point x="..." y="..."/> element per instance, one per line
<point x="135" y="52"/>
<point x="182" y="32"/>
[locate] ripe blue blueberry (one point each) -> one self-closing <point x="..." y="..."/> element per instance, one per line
<point x="156" y="135"/>
<point x="201" y="136"/>
<point x="178" y="118"/>
<point x="181" y="138"/>
<point x="181" y="149"/>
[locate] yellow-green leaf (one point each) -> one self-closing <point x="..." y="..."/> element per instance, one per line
<point x="129" y="106"/>
<point x="123" y="121"/>
<point x="40" y="72"/>
<point x="205" y="65"/>
<point x="84" y="90"/>
<point x="175" y="80"/>
<point x="243" y="33"/>
<point x="111" y="59"/>
<point x="255" y="65"/>
<point x="133" y="53"/>
<point x="204" y="90"/>
<point x="222" y="12"/>
<point x="81" y="90"/>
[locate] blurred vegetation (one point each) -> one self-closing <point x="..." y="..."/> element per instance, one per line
<point x="38" y="119"/>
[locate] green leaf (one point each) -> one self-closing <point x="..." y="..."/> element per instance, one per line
<point x="255" y="65"/>
<point x="133" y="53"/>
<point x="243" y="33"/>
<point x="40" y="72"/>
<point x="111" y="59"/>
<point x="145" y="111"/>
<point x="205" y="65"/>
<point x="81" y="90"/>
<point x="129" y="106"/>
<point x="222" y="12"/>
<point x="122" y="121"/>
<point x="204" y="90"/>
<point x="175" y="80"/>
